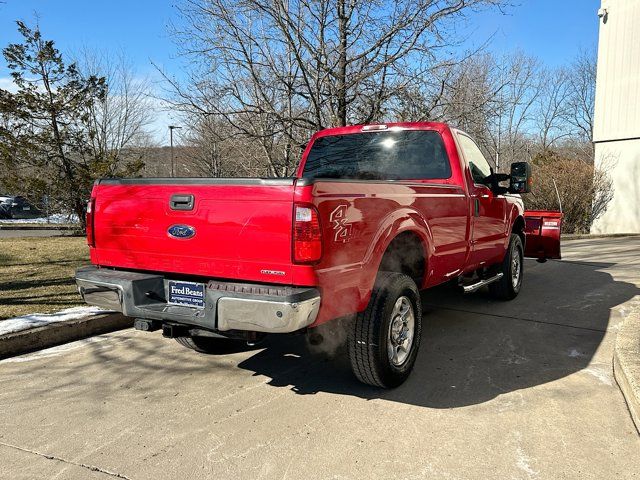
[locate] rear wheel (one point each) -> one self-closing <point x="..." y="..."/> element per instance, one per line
<point x="210" y="344"/>
<point x="508" y="287"/>
<point x="384" y="339"/>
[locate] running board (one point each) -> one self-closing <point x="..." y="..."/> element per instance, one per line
<point x="475" y="286"/>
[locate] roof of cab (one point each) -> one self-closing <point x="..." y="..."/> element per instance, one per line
<point x="378" y="127"/>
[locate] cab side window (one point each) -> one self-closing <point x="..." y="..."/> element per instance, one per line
<point x="480" y="168"/>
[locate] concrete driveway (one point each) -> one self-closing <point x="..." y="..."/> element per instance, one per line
<point x="518" y="390"/>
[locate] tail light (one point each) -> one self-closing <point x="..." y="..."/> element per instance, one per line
<point x="307" y="234"/>
<point x="91" y="205"/>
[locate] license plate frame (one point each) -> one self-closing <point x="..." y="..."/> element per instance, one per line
<point x="186" y="294"/>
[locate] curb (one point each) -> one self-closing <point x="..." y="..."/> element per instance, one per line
<point x="626" y="364"/>
<point x="582" y="236"/>
<point x="58" y="333"/>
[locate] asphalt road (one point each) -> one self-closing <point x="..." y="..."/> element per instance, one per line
<point x="517" y="390"/>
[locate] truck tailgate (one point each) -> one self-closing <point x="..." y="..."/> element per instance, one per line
<point x="236" y="229"/>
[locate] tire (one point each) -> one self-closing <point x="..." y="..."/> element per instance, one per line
<point x="512" y="269"/>
<point x="374" y="352"/>
<point x="210" y="345"/>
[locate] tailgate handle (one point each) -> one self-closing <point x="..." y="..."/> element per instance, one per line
<point x="181" y="202"/>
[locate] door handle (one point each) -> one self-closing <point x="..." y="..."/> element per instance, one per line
<point x="181" y="202"/>
<point x="476" y="207"/>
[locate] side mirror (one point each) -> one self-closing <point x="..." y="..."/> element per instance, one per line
<point x="520" y="178"/>
<point x="493" y="182"/>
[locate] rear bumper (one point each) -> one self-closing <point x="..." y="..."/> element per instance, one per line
<point x="229" y="306"/>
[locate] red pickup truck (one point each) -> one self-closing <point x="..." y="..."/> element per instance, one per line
<point x="374" y="214"/>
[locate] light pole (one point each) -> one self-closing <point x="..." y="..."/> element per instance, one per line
<point x="171" y="128"/>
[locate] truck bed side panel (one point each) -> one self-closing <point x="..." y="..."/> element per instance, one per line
<point x="360" y="219"/>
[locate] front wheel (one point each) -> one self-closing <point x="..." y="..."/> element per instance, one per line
<point x="508" y="287"/>
<point x="384" y="339"/>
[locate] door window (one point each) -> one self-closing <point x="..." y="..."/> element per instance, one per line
<point x="480" y="168"/>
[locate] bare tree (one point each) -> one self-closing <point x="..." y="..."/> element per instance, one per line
<point x="204" y="147"/>
<point x="493" y="99"/>
<point x="211" y="149"/>
<point x="266" y="74"/>
<point x="469" y="97"/>
<point x="582" y="78"/>
<point x="552" y="107"/>
<point x="517" y="88"/>
<point x="511" y="105"/>
<point x="278" y="70"/>
<point x="120" y="121"/>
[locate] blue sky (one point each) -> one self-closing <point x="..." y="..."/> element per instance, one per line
<point x="554" y="30"/>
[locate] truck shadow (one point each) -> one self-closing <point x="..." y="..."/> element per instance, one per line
<point x="474" y="349"/>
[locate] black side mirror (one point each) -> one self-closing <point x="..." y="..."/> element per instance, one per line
<point x="493" y="182"/>
<point x="520" y="178"/>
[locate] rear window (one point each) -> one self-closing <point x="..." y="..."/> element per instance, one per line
<point x="399" y="155"/>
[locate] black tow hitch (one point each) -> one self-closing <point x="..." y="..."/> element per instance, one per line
<point x="171" y="330"/>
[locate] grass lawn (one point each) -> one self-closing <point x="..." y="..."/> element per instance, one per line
<point x="36" y="274"/>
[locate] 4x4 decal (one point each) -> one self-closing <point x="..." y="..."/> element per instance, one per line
<point x="340" y="225"/>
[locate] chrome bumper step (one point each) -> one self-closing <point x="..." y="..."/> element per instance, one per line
<point x="481" y="283"/>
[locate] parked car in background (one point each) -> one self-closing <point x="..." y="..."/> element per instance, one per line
<point x="17" y="207"/>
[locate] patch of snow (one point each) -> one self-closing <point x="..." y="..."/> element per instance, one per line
<point x="55" y="219"/>
<point x="33" y="320"/>
<point x="602" y="374"/>
<point x="575" y="353"/>
<point x="524" y="463"/>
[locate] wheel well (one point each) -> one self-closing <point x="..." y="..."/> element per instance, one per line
<point x="405" y="254"/>
<point x="518" y="227"/>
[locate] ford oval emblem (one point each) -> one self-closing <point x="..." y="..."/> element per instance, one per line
<point x="181" y="231"/>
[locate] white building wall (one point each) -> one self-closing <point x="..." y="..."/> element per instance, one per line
<point x="617" y="114"/>
<point x="623" y="213"/>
